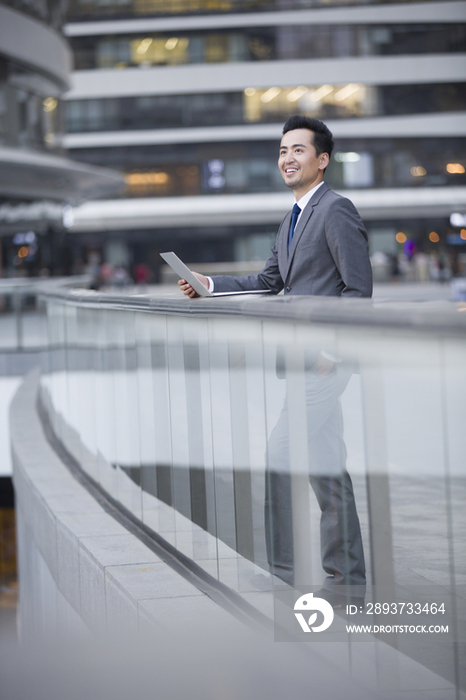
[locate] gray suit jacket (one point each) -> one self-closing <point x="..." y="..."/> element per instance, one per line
<point x="328" y="255"/>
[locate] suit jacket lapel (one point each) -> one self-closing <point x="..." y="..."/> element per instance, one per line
<point x="303" y="221"/>
<point x="282" y="242"/>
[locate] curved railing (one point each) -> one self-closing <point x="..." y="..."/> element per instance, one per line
<point x="185" y="411"/>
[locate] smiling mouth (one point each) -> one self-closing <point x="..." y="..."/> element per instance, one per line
<point x="288" y="171"/>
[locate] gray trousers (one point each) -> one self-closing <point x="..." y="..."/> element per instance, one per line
<point x="340" y="533"/>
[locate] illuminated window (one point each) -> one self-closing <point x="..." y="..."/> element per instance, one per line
<point x="455" y="168"/>
<point x="324" y="101"/>
<point x="172" y="180"/>
<point x="150" y="51"/>
<point x="418" y="171"/>
<point x="145" y="183"/>
<point x="146" y="178"/>
<point x="176" y="6"/>
<point x="50" y="104"/>
<point x="216" y="48"/>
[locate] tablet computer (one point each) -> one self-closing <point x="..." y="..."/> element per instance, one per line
<point x="185" y="273"/>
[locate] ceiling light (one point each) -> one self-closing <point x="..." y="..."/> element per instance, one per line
<point x="346" y="92"/>
<point x="321" y="92"/>
<point x="296" y="93"/>
<point x="144" y="45"/>
<point x="171" y="43"/>
<point x="270" y="94"/>
<point x="455" y="168"/>
<point x="349" y="157"/>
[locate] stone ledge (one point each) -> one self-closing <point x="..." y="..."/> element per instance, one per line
<point x="97" y="565"/>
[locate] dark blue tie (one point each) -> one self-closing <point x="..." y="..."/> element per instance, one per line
<point x="296" y="211"/>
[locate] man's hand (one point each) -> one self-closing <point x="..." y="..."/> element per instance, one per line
<point x="188" y="290"/>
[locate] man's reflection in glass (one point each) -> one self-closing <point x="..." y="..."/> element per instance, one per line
<point x="340" y="533"/>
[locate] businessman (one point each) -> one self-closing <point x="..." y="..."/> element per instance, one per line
<point x="321" y="249"/>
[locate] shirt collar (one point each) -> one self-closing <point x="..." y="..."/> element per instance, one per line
<point x="305" y="200"/>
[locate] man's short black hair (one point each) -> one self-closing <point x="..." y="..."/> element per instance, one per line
<point x="323" y="137"/>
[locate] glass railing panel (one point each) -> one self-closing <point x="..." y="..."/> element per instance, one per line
<point x="180" y="416"/>
<point x="23" y="320"/>
<point x="275" y="338"/>
<point x="145" y="409"/>
<point x="454" y="415"/>
<point x="32" y="322"/>
<point x="248" y="428"/>
<point x="410" y="505"/>
<point x="350" y="345"/>
<point x="222" y="449"/>
<point x="305" y="444"/>
<point x="83" y="377"/>
<point x="254" y="383"/>
<point x="156" y="480"/>
<point x="331" y="455"/>
<point x="126" y="401"/>
<point x="193" y="479"/>
<point x="56" y="381"/>
<point x="8" y="321"/>
<point x="74" y="435"/>
<point x="103" y="392"/>
<point x="238" y="438"/>
<point x="191" y="449"/>
<point x="205" y="543"/>
<point x="46" y="369"/>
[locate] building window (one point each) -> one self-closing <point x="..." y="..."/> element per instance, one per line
<point x="91" y="9"/>
<point x="235" y="168"/>
<point x="324" y="101"/>
<point x="255" y="105"/>
<point x="266" y="44"/>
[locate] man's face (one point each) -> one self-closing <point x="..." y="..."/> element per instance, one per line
<point x="300" y="166"/>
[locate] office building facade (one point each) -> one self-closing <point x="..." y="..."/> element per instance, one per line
<point x="37" y="180"/>
<point x="188" y="100"/>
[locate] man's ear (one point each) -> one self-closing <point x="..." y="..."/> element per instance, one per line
<point x="324" y="160"/>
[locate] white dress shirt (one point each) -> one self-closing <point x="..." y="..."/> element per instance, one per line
<point x="301" y="204"/>
<point x="305" y="200"/>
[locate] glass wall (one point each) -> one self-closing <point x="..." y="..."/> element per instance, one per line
<point x="92" y="9"/>
<point x="266" y="44"/>
<point x="255" y="105"/>
<point x="193" y="169"/>
<point x="30" y="113"/>
<point x="222" y="430"/>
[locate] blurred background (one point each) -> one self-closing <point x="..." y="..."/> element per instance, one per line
<point x="168" y="115"/>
